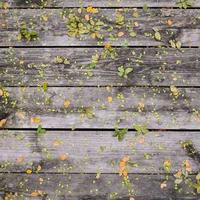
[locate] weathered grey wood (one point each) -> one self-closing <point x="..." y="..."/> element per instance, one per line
<point x="101" y="3"/>
<point x="53" y="32"/>
<point x="90" y="108"/>
<point x="86" y="186"/>
<point x="152" y="66"/>
<point x="94" y="151"/>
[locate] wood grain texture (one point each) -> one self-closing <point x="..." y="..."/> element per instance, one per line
<point x="100" y="3"/>
<point x="86" y="187"/>
<point x="94" y="151"/>
<point x="152" y="66"/>
<point x="53" y="31"/>
<point x="155" y="107"/>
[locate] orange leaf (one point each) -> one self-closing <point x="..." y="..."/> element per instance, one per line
<point x="20" y="159"/>
<point x="3" y="122"/>
<point x="36" y="193"/>
<point x="1" y="92"/>
<point x="63" y="157"/>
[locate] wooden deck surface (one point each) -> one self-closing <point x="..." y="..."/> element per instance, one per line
<point x="64" y="96"/>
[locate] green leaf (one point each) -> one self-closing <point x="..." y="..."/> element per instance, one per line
<point x="198" y="177"/>
<point x="40" y="131"/>
<point x="128" y="70"/>
<point x="120" y="133"/>
<point x="141" y="129"/>
<point x="45" y="86"/>
<point x="178" y="45"/>
<point x="157" y="36"/>
<point x="133" y="34"/>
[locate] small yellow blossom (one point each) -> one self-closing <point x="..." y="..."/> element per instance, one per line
<point x="29" y="171"/>
<point x="91" y="10"/>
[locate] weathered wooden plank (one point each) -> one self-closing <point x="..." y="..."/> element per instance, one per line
<point x="94" y="151"/>
<point x="104" y="107"/>
<point x="99" y="3"/>
<point x="53" y="31"/>
<point x="151" y="66"/>
<point x="87" y="186"/>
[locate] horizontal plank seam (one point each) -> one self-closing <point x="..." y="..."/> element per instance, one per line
<point x="104" y="86"/>
<point x="92" y="173"/>
<point x="97" y="129"/>
<point x="99" y="7"/>
<point x="98" y="47"/>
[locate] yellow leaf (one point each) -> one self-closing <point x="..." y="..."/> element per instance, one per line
<point x="67" y="103"/>
<point x="57" y="143"/>
<point x="107" y="46"/>
<point x="36" y="120"/>
<point x="110" y="99"/>
<point x="174" y="90"/>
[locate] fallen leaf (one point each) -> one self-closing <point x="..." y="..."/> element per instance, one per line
<point x="110" y="99"/>
<point x="178" y="174"/>
<point x="169" y="22"/>
<point x="63" y="157"/>
<point x="20" y="115"/>
<point x="141" y="140"/>
<point x="1" y="92"/>
<point x="36" y="193"/>
<point x="163" y="185"/>
<point x="39" y="168"/>
<point x="188" y="167"/>
<point x="57" y="143"/>
<point x="20" y="159"/>
<point x="107" y="46"/>
<point x="120" y="34"/>
<point x="87" y="17"/>
<point x="2" y="123"/>
<point x="67" y="103"/>
<point x="36" y="120"/>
